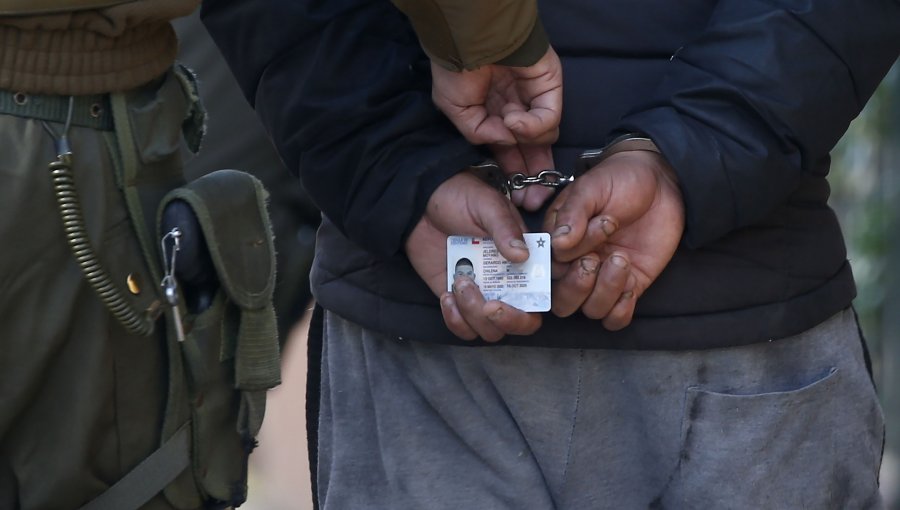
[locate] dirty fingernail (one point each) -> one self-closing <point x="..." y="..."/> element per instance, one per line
<point x="608" y="226"/>
<point x="589" y="265"/>
<point x="561" y="230"/>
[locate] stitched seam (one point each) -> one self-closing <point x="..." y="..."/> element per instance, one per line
<point x="565" y="479"/>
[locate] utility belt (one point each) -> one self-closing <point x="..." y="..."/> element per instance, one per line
<point x="209" y="246"/>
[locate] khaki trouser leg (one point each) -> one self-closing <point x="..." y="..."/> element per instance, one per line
<point x="81" y="399"/>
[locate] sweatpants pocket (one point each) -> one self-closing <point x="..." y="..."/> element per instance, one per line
<point x="817" y="446"/>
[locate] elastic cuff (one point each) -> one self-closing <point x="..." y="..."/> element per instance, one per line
<point x="531" y="50"/>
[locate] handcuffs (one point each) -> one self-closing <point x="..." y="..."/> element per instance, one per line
<point x="490" y="171"/>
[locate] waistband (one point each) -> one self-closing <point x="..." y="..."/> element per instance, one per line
<point x="92" y="111"/>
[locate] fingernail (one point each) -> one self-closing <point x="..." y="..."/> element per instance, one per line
<point x="608" y="226"/>
<point x="518" y="244"/>
<point x="447" y="301"/>
<point x="619" y="261"/>
<point x="496" y="315"/>
<point x="627" y="295"/>
<point x="589" y="265"/>
<point x="561" y="231"/>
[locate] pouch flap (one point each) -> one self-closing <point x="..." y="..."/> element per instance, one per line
<point x="231" y="208"/>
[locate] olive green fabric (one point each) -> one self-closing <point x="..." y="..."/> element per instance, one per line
<point x="244" y="355"/>
<point x="87" y="47"/>
<point x="231" y="208"/>
<point x="81" y="399"/>
<point x="464" y="34"/>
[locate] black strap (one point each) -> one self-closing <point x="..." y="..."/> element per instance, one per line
<point x="314" y="344"/>
<point x="149" y="477"/>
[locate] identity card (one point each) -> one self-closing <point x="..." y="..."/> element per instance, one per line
<point x="525" y="286"/>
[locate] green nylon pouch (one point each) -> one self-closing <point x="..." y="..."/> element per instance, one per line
<point x="231" y="350"/>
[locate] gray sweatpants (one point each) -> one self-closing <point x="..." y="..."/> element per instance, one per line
<point x="789" y="424"/>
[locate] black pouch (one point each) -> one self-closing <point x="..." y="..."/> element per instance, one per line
<point x="230" y="353"/>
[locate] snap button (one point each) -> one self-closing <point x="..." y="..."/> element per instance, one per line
<point x="133" y="284"/>
<point x="20" y="98"/>
<point x="96" y="110"/>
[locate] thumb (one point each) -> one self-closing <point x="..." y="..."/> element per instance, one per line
<point x="567" y="219"/>
<point x="501" y="221"/>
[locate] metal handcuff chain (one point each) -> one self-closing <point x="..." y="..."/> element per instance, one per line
<point x="63" y="181"/>
<point x="490" y="172"/>
<point x="547" y="178"/>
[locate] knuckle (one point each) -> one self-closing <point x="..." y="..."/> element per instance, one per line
<point x="562" y="309"/>
<point x="618" y="318"/>
<point x="459" y="328"/>
<point x="492" y="336"/>
<point x="593" y="312"/>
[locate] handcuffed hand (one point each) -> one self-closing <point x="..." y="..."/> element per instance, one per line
<point x="613" y="232"/>
<point x="465" y="205"/>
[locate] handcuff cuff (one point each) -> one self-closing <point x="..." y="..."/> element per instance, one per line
<point x="490" y="171"/>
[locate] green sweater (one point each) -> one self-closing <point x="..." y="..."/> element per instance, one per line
<point x="79" y="47"/>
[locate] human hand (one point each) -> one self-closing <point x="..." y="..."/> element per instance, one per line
<point x="613" y="232"/>
<point x="465" y="205"/>
<point x="515" y="110"/>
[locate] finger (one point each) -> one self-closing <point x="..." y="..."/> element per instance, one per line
<point x="565" y="231"/>
<point x="500" y="220"/>
<point x="543" y="92"/>
<point x="470" y="304"/>
<point x="534" y="126"/>
<point x="598" y="231"/>
<point x="611" y="280"/>
<point x="476" y="125"/>
<point x="570" y="214"/>
<point x="558" y="269"/>
<point x="622" y="312"/>
<point x="529" y="160"/>
<point x="546" y="108"/>
<point x="570" y="292"/>
<point x="510" y="319"/>
<point x="518" y="217"/>
<point x="537" y="159"/>
<point x="454" y="319"/>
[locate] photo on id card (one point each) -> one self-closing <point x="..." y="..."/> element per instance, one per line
<point x="525" y="286"/>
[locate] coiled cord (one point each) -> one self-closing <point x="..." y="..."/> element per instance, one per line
<point x="63" y="180"/>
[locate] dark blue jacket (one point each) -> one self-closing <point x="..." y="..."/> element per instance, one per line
<point x="745" y="98"/>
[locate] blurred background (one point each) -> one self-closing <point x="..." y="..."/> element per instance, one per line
<point x="865" y="183"/>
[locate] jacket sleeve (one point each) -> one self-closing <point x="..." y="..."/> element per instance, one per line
<point x="759" y="100"/>
<point x="344" y="91"/>
<point x="467" y="34"/>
